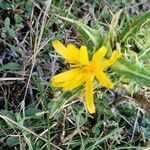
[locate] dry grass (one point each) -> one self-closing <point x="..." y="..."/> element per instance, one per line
<point x="33" y="114"/>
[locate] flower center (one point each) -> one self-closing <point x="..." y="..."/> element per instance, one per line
<point x="89" y="69"/>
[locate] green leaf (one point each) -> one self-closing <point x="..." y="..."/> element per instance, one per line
<point x="19" y="26"/>
<point x="18" y="19"/>
<point x="5" y="5"/>
<point x="90" y="36"/>
<point x="5" y="29"/>
<point x="58" y="3"/>
<point x="80" y="120"/>
<point x="134" y="26"/>
<point x="39" y="84"/>
<point x="28" y="7"/>
<point x="31" y="112"/>
<point x="12" y="32"/>
<point x="7" y="22"/>
<point x="57" y="104"/>
<point x="9" y="114"/>
<point x="54" y="106"/>
<point x="3" y="124"/>
<point x="10" y="66"/>
<point x="132" y="71"/>
<point x="12" y="141"/>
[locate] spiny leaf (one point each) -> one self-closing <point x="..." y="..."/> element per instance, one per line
<point x="91" y="37"/>
<point x="134" y="26"/>
<point x="132" y="72"/>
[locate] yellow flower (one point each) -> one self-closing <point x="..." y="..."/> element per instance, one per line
<point x="83" y="70"/>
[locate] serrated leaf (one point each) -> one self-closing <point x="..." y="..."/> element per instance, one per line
<point x="133" y="27"/>
<point x="10" y="66"/>
<point x="132" y="72"/>
<point x="90" y="36"/>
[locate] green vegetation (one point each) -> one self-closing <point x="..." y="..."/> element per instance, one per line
<point x="36" y="116"/>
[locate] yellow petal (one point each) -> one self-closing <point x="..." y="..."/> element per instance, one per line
<point x="75" y="82"/>
<point x="62" y="79"/>
<point x="73" y="54"/>
<point x="59" y="84"/>
<point x="84" y="55"/>
<point x="89" y="101"/>
<point x="60" y="48"/>
<point x="104" y="80"/>
<point x="107" y="63"/>
<point x="99" y="54"/>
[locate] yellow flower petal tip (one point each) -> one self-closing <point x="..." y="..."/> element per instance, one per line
<point x="55" y="42"/>
<point x="110" y="86"/>
<point x="92" y="111"/>
<point x="84" y="70"/>
<point x="91" y="107"/>
<point x="104" y="48"/>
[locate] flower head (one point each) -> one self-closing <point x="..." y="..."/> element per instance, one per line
<point x="84" y="70"/>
